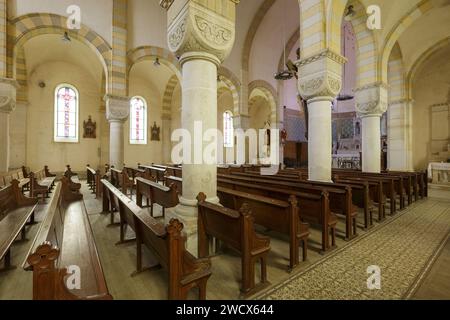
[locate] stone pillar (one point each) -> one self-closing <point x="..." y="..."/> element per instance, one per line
<point x="8" y="89"/>
<point x="371" y="103"/>
<point x="166" y="139"/>
<point x="117" y="112"/>
<point x="319" y="83"/>
<point x="202" y="35"/>
<point x="18" y="135"/>
<point x="399" y="135"/>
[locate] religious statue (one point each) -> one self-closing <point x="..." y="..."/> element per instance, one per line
<point x="90" y="128"/>
<point x="156" y="133"/>
<point x="283" y="136"/>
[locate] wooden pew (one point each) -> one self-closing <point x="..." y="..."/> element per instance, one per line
<point x="40" y="184"/>
<point x="276" y="215"/>
<point x="108" y="203"/>
<point x="236" y="229"/>
<point x="93" y="180"/>
<point x="312" y="208"/>
<point x="16" y="211"/>
<point x="7" y="177"/>
<point x="168" y="244"/>
<point x="340" y="195"/>
<point x="157" y="173"/>
<point x="121" y="179"/>
<point x="65" y="239"/>
<point x="166" y="197"/>
<point x="176" y="181"/>
<point x="69" y="174"/>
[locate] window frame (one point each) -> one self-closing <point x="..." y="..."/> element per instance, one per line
<point x="56" y="138"/>
<point x="139" y="142"/>
<point x="229" y="145"/>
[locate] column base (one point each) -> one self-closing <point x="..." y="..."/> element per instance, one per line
<point x="187" y="213"/>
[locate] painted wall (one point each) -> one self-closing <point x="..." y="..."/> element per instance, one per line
<point x="41" y="149"/>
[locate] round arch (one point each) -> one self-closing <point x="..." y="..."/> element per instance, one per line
<point x="269" y="94"/>
<point x="232" y="83"/>
<point x="26" y="27"/>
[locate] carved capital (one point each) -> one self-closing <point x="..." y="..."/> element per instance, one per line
<point x="117" y="108"/>
<point x="197" y="29"/>
<point x="8" y="88"/>
<point x="371" y="100"/>
<point x="320" y="75"/>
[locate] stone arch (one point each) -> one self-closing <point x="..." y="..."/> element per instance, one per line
<point x="167" y="97"/>
<point x="412" y="16"/>
<point x="313" y="33"/>
<point x="150" y="53"/>
<point x="232" y="83"/>
<point x="367" y="48"/>
<point x="270" y="95"/>
<point x="424" y="57"/>
<point x="26" y="27"/>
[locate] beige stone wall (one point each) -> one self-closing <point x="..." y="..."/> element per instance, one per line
<point x="41" y="149"/>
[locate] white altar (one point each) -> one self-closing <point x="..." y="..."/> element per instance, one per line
<point x="439" y="172"/>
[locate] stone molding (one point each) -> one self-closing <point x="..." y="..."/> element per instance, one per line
<point x="117" y="108"/>
<point x="199" y="30"/>
<point x="371" y="100"/>
<point x="320" y="76"/>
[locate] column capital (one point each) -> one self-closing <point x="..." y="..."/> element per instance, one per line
<point x="371" y="100"/>
<point x="195" y="30"/>
<point x="8" y="89"/>
<point x="320" y="76"/>
<point x="241" y="121"/>
<point x="117" y="108"/>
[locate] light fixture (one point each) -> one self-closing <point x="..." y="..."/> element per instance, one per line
<point x="66" y="37"/>
<point x="285" y="74"/>
<point x="350" y="14"/>
<point x="157" y="63"/>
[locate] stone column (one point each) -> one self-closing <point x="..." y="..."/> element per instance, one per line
<point x="166" y="138"/>
<point x="319" y="83"/>
<point x="8" y="89"/>
<point x="18" y="135"/>
<point x="202" y="35"/>
<point x="117" y="112"/>
<point x="399" y="135"/>
<point x="371" y="103"/>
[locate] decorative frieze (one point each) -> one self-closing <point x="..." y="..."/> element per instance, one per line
<point x="371" y="100"/>
<point x="117" y="108"/>
<point x="198" y="29"/>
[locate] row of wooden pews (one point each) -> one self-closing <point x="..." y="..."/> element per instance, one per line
<point x="65" y="247"/>
<point x="167" y="243"/>
<point x="93" y="178"/>
<point x="8" y="177"/>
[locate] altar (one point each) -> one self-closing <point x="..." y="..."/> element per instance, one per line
<point x="438" y="172"/>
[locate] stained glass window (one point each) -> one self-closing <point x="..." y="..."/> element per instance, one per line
<point x="66" y="114"/>
<point x="228" y="133"/>
<point x="138" y="121"/>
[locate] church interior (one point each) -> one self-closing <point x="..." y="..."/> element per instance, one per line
<point x="107" y="108"/>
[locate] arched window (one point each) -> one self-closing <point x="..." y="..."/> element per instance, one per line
<point x="138" y="121"/>
<point x="66" y="114"/>
<point x="228" y="130"/>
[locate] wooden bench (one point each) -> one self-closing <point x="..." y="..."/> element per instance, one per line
<point x="16" y="211"/>
<point x="93" y="180"/>
<point x="68" y="173"/>
<point x="65" y="239"/>
<point x="168" y="244"/>
<point x="176" y="181"/>
<point x="311" y="207"/>
<point x="121" y="179"/>
<point x="236" y="229"/>
<point x="108" y="203"/>
<point x="40" y="184"/>
<point x="166" y="197"/>
<point x="156" y="173"/>
<point x="6" y="178"/>
<point x="340" y="195"/>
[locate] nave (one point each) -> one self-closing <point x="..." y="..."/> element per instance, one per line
<point x="395" y="243"/>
